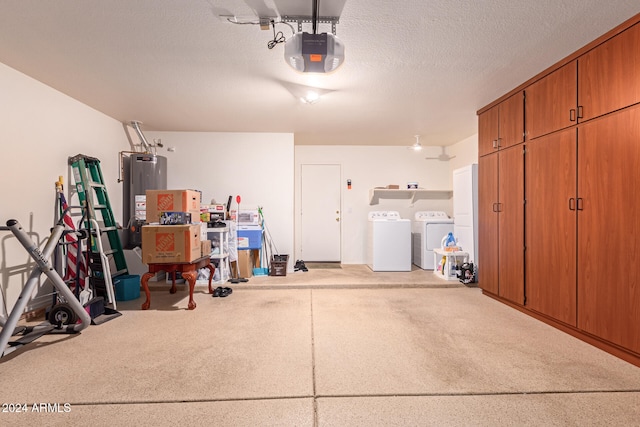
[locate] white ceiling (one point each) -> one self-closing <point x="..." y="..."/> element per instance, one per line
<point x="411" y="67"/>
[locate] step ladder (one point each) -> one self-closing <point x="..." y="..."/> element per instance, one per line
<point x="92" y="194"/>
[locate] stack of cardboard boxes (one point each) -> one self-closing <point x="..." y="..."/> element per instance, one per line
<point x="173" y="232"/>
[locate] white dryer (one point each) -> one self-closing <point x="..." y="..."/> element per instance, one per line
<point x="389" y="242"/>
<point x="427" y="231"/>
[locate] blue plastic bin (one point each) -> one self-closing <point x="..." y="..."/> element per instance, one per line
<point x="127" y="287"/>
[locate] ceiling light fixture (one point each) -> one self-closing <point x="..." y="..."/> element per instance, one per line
<point x="416" y="145"/>
<point x="311" y="97"/>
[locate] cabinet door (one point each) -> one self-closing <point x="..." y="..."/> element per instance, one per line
<point x="511" y="121"/>
<point x="488" y="131"/>
<point x="550" y="257"/>
<point x="609" y="228"/>
<point x="551" y="102"/>
<point x="609" y="75"/>
<point x="487" y="256"/>
<point x="511" y="224"/>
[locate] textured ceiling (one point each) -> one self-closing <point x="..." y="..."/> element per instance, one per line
<point x="411" y="67"/>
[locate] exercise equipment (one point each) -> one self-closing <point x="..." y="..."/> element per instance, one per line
<point x="63" y="315"/>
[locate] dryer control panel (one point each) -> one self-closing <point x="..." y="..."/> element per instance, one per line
<point x="428" y="215"/>
<point x="384" y="215"/>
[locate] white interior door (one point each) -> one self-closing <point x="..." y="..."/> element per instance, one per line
<point x="320" y="213"/>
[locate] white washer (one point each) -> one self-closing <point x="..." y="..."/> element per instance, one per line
<point x="428" y="229"/>
<point x="389" y="242"/>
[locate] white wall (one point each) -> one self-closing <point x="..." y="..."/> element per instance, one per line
<point x="256" y="166"/>
<point x="466" y="152"/>
<point x="368" y="167"/>
<point x="40" y="128"/>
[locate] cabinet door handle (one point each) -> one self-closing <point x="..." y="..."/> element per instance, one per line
<point x="572" y="115"/>
<point x="579" y="204"/>
<point x="499" y="207"/>
<point x="572" y="204"/>
<point x="495" y="143"/>
<point x="494" y="207"/>
<point x="580" y="111"/>
<point x="499" y="144"/>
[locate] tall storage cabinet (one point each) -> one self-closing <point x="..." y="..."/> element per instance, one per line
<point x="511" y="224"/>
<point x="501" y="201"/>
<point x="488" y="223"/>
<point x="609" y="228"/>
<point x="579" y="218"/>
<point x="551" y="192"/>
<point x="501" y="223"/>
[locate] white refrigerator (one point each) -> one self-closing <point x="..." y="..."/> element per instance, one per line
<point x="465" y="209"/>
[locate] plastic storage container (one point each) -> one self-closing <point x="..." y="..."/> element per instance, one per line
<point x="279" y="265"/>
<point x="127" y="287"/>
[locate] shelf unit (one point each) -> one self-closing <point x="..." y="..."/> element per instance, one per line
<point x="375" y="194"/>
<point x="453" y="261"/>
<point x="221" y="259"/>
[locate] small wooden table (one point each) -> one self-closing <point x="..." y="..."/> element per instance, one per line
<point x="189" y="271"/>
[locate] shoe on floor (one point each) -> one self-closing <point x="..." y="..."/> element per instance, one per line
<point x="299" y="266"/>
<point x="222" y="292"/>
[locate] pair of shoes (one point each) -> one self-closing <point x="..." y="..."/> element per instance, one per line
<point x="300" y="266"/>
<point x="222" y="292"/>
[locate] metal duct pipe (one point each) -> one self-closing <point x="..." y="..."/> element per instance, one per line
<point x="143" y="140"/>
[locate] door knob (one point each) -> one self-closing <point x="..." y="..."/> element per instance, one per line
<point x="338" y="219"/>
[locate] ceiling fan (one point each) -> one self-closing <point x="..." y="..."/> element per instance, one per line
<point x="443" y="157"/>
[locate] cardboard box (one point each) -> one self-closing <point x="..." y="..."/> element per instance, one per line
<point x="245" y="263"/>
<point x="205" y="246"/>
<point x="172" y="201"/>
<point x="171" y="243"/>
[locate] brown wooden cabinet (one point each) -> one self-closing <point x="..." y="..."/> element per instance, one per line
<point x="609" y="75"/>
<point x="551" y="202"/>
<point x="582" y="227"/>
<point x="511" y="223"/>
<point x="570" y="197"/>
<point x="602" y="80"/>
<point x="551" y="102"/>
<point x="488" y="223"/>
<point x="501" y="223"/>
<point x="501" y="126"/>
<point x="609" y="228"/>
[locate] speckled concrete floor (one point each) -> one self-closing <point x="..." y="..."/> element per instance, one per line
<point x="307" y="354"/>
